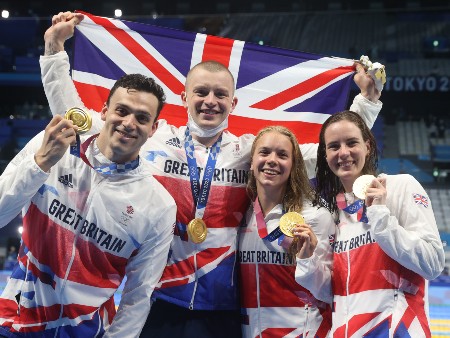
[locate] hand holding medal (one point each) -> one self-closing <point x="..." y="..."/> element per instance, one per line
<point x="305" y="241"/>
<point x="376" y="70"/>
<point x="58" y="136"/>
<point x="370" y="189"/>
<point x="292" y="224"/>
<point x="83" y="122"/>
<point x="288" y="222"/>
<point x="361" y="185"/>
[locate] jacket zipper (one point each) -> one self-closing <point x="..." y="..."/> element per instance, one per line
<point x="305" y="326"/>
<point x="72" y="258"/>
<point x="21" y="287"/>
<point x="63" y="286"/>
<point x="257" y="296"/>
<point x="191" y="304"/>
<point x="347" y="290"/>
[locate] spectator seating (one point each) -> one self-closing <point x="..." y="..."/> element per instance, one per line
<point x="440" y="200"/>
<point x="413" y="138"/>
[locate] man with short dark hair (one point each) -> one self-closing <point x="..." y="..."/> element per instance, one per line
<point x="91" y="216"/>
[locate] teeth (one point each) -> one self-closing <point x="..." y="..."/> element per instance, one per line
<point x="271" y="172"/>
<point x="345" y="164"/>
<point x="209" y="112"/>
<point x="124" y="134"/>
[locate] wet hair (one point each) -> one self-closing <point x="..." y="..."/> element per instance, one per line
<point x="328" y="184"/>
<point x="298" y="187"/>
<point x="140" y="83"/>
<point x="213" y="67"/>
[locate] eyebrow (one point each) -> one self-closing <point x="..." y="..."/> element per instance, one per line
<point x="204" y="86"/>
<point x="127" y="107"/>
<point x="346" y="140"/>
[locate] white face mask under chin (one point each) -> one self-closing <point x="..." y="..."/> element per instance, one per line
<point x="195" y="129"/>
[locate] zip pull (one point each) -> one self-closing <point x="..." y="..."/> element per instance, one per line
<point x="396" y="295"/>
<point x="191" y="306"/>
<point x="19" y="294"/>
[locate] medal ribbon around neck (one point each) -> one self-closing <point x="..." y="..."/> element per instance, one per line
<point x="262" y="226"/>
<point x="358" y="206"/>
<point x="79" y="150"/>
<point x="200" y="193"/>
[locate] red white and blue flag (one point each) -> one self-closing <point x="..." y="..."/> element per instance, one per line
<point x="421" y="200"/>
<point x="274" y="86"/>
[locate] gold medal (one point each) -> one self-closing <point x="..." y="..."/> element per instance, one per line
<point x="79" y="118"/>
<point x="361" y="184"/>
<point x="197" y="230"/>
<point x="288" y="221"/>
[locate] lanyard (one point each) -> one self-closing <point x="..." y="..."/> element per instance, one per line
<point x="358" y="206"/>
<point x="200" y="193"/>
<point x="79" y="150"/>
<point x="262" y="226"/>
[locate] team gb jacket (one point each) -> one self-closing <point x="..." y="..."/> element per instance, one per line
<point x="83" y="232"/>
<point x="381" y="268"/>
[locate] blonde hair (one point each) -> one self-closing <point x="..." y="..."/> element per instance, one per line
<point x="213" y="67"/>
<point x="298" y="187"/>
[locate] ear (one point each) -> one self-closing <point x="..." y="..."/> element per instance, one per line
<point x="153" y="129"/>
<point x="233" y="104"/>
<point x="368" y="149"/>
<point x="103" y="112"/>
<point x="368" y="146"/>
<point x="184" y="99"/>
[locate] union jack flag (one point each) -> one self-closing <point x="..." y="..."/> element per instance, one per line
<point x="273" y="85"/>
<point x="421" y="200"/>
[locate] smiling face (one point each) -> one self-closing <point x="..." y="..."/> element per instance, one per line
<point x="209" y="96"/>
<point x="272" y="162"/>
<point x="346" y="151"/>
<point x="129" y="121"/>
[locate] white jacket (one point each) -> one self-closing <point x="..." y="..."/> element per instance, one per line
<point x="83" y="233"/>
<point x="381" y="268"/>
<point x="272" y="302"/>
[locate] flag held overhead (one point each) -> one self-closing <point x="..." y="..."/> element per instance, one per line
<point x="274" y="86"/>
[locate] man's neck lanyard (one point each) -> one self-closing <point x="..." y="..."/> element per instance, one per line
<point x="200" y="193"/>
<point x="357" y="207"/>
<point x="79" y="150"/>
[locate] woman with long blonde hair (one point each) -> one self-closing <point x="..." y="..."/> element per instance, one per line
<point x="273" y="303"/>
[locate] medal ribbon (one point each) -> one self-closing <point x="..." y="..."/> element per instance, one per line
<point x="262" y="226"/>
<point x="200" y="193"/>
<point x="358" y="206"/>
<point x="79" y="150"/>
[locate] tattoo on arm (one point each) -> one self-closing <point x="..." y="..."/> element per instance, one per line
<point x="51" y="48"/>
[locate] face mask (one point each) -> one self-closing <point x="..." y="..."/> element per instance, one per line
<point x="195" y="129"/>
